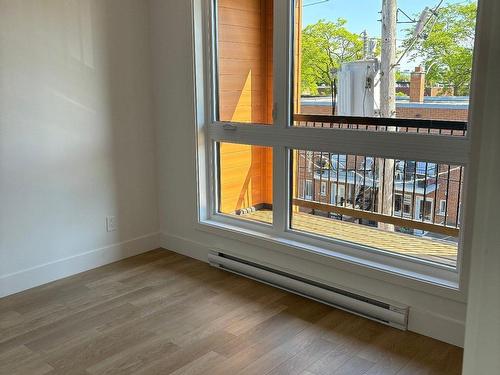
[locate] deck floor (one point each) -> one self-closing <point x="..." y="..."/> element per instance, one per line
<point x="434" y="250"/>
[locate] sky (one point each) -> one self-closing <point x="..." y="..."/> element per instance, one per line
<point x="364" y="15"/>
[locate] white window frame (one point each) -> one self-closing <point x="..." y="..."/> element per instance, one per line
<point x="308" y="189"/>
<point x="283" y="138"/>
<point x="337" y="192"/>
<point x="406" y="201"/>
<point x="441" y="210"/>
<point x="400" y="195"/>
<point x="322" y="188"/>
<point x="420" y="200"/>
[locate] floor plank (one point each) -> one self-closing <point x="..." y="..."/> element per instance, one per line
<point x="163" y="313"/>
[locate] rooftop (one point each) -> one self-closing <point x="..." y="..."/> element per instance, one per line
<point x="443" y="102"/>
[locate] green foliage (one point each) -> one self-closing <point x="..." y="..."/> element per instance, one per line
<point x="448" y="47"/>
<point x="402" y="76"/>
<point x="325" y="46"/>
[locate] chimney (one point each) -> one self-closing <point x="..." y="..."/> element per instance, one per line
<point x="417" y="85"/>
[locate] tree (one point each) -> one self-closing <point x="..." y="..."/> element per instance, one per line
<point x="402" y="76"/>
<point x="447" y="47"/>
<point x="325" y="46"/>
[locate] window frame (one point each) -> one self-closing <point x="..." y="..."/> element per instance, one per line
<point x="283" y="138"/>
<point x="308" y="189"/>
<point x="323" y="188"/>
<point x="442" y="211"/>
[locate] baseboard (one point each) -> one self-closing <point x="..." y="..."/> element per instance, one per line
<point x="421" y="321"/>
<point x="45" y="273"/>
<point x="437" y="326"/>
<point x="184" y="246"/>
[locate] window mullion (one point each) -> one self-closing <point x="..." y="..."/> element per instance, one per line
<point x="280" y="189"/>
<point x="282" y="65"/>
<point x="282" y="73"/>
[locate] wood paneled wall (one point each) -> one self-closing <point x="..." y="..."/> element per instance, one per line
<point x="245" y="175"/>
<point x="245" y="48"/>
<point x="245" y="40"/>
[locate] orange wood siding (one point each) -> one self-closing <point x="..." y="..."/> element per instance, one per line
<point x="245" y="175"/>
<point x="245" y="32"/>
<point x="245" y="40"/>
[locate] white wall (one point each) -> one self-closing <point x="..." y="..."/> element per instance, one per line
<point x="173" y="71"/>
<point x="76" y="137"/>
<point x="482" y="345"/>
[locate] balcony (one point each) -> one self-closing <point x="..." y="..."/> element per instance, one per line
<point x="405" y="207"/>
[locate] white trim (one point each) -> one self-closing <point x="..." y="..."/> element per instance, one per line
<point x="337" y="191"/>
<point x="60" y="268"/>
<point x="423" y="321"/>
<point x="282" y="71"/>
<point x="482" y="342"/>
<point x="416" y="210"/>
<point x="308" y="189"/>
<point x="322" y="188"/>
<point x="441" y="211"/>
<point x="437" y="326"/>
<point x="403" y="146"/>
<point x="184" y="246"/>
<point x="281" y="189"/>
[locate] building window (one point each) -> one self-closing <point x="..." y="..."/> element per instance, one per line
<point x="398" y="203"/>
<point x="323" y="188"/>
<point x="273" y="140"/>
<point x="405" y="204"/>
<point x="442" y="207"/>
<point x="308" y="190"/>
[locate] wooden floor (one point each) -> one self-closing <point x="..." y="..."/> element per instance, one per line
<point x="444" y="252"/>
<point x="162" y="313"/>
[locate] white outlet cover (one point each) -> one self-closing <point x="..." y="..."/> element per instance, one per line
<point x="111" y="223"/>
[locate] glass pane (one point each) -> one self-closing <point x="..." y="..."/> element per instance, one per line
<point x="402" y="206"/>
<point x="246" y="181"/>
<point x="412" y="61"/>
<point x="245" y="60"/>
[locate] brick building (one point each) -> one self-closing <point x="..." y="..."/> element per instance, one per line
<point x="421" y="102"/>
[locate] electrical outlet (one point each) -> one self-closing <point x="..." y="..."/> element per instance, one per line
<point x="111" y="223"/>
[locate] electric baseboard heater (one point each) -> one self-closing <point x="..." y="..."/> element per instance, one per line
<point x="380" y="311"/>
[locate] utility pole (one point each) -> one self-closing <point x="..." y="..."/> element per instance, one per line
<point x="387" y="103"/>
<point x="388" y="59"/>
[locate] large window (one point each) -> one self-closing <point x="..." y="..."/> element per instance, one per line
<point x="322" y="134"/>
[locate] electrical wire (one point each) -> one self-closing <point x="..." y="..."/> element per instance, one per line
<point x="317" y="2"/>
<point x="415" y="38"/>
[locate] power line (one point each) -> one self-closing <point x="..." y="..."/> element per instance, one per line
<point x="415" y="38"/>
<point x="315" y="3"/>
<point x="427" y="22"/>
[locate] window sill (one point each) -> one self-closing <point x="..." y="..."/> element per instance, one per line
<point x="398" y="270"/>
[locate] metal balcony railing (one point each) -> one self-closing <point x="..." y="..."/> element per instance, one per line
<point x="417" y="197"/>
<point x="440" y="127"/>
